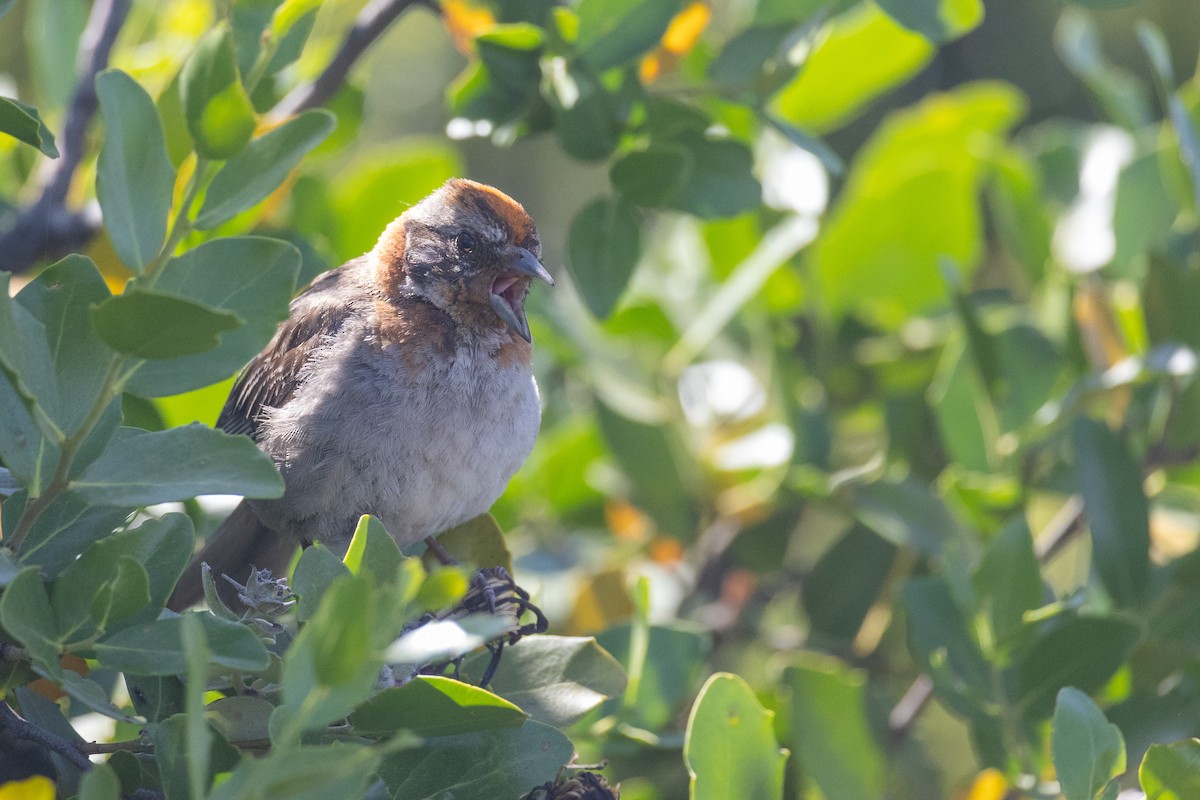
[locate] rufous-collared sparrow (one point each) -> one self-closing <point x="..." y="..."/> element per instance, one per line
<point x="400" y="386"/>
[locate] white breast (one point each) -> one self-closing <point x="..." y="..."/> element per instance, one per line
<point x="423" y="452"/>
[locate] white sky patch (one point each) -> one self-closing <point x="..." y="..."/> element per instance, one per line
<point x="793" y="179"/>
<point x="1083" y="238"/>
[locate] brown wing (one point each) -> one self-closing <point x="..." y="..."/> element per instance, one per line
<point x="271" y="378"/>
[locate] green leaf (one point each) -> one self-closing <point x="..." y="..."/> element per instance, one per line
<point x="652" y="177"/>
<point x="250" y="277"/>
<point x="219" y="113"/>
<point x="585" y="119"/>
<point x="828" y="725"/>
<point x="331" y="666"/>
<point x="5" y="6"/>
<point x="670" y="668"/>
<point x="936" y="20"/>
<point x="604" y="244"/>
<point x="614" y="32"/>
<point x="177" y="464"/>
<point x="134" y="176"/>
<point x="910" y="200"/>
<point x="247" y="178"/>
<point x="906" y="513"/>
<point x="26" y="614"/>
<point x="315" y="572"/>
<point x="1088" y="750"/>
<point x="1122" y="96"/>
<point x="149" y="324"/>
<point x="1171" y="771"/>
<point x="64" y="530"/>
<point x="23" y="123"/>
<point x="478" y="766"/>
<point x="373" y="552"/>
<point x="1083" y="652"/>
<point x="99" y="783"/>
<point x="157" y="648"/>
<point x="942" y="644"/>
<point x="172" y="746"/>
<point x="60" y="298"/>
<point x="308" y="772"/>
<point x="435" y="706"/>
<point x="554" y="679"/>
<point x="166" y="543"/>
<point x="721" y="181"/>
<point x="1008" y="581"/>
<point x="730" y="746"/>
<point x="1104" y="4"/>
<point x="1115" y="504"/>
<point x="478" y="542"/>
<point x="846" y="580"/>
<point x="289" y="13"/>
<point x="863" y="54"/>
<point x="240" y="717"/>
<point x="1170" y="292"/>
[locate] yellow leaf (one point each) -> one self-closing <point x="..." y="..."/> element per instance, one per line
<point x="601" y="602"/>
<point x="989" y="785"/>
<point x="465" y="21"/>
<point x="38" y="787"/>
<point x="681" y="36"/>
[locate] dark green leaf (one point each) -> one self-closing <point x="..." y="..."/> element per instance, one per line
<point x="1170" y="292"/>
<point x="165" y="543"/>
<point x="26" y="614"/>
<point x="156" y="648"/>
<point x="721" y="182"/>
<point x="134" y="176"/>
<point x="844" y="583"/>
<point x="247" y="178"/>
<point x="171" y="743"/>
<point x="1088" y="750"/>
<point x="149" y="324"/>
<point x="178" y="464"/>
<point x="478" y="766"/>
<point x="614" y="32"/>
<point x="828" y="725"/>
<point x="64" y="530"/>
<point x="604" y="244"/>
<point x="813" y="144"/>
<point x="943" y="646"/>
<point x="510" y="53"/>
<point x="1171" y="772"/>
<point x="1122" y="95"/>
<point x="5" y="6"/>
<point x="61" y="299"/>
<point x="1111" y="484"/>
<point x="584" y="117"/>
<point x="1008" y="582"/>
<point x="249" y="276"/>
<point x="435" y="706"/>
<point x="906" y="513"/>
<point x="654" y="176"/>
<point x="730" y="746"/>
<point x="219" y="114"/>
<point x="23" y="123"/>
<point x="1083" y="652"/>
<point x="156" y="697"/>
<point x="554" y="679"/>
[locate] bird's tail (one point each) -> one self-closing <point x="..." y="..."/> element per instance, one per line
<point x="240" y="542"/>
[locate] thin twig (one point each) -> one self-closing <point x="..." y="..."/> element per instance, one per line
<point x="107" y="748"/>
<point x="47" y="227"/>
<point x="372" y="21"/>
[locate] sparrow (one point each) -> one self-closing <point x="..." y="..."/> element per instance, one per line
<point x="399" y="386"/>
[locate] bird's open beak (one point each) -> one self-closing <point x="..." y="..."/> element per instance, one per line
<point x="508" y="291"/>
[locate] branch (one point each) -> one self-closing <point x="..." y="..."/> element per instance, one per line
<point x="372" y="21"/>
<point x="21" y="729"/>
<point x="47" y="227"/>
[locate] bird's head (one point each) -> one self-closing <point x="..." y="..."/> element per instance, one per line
<point x="468" y="249"/>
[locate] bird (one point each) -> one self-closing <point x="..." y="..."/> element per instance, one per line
<point x="400" y="385"/>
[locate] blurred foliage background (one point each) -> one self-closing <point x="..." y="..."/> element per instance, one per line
<point x="870" y="375"/>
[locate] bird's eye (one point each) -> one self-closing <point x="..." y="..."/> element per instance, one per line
<point x="466" y="242"/>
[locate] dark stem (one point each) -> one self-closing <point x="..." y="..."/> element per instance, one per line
<point x="47" y="227"/>
<point x="372" y="21"/>
<point x="20" y="728"/>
